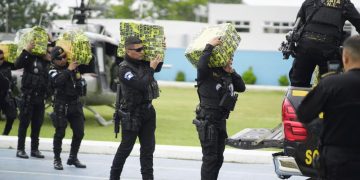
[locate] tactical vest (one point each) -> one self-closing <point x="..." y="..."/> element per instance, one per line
<point x="35" y="77"/>
<point x="330" y="13"/>
<point x="132" y="97"/>
<point x="213" y="89"/>
<point x="73" y="88"/>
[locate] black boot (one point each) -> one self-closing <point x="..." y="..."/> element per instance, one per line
<point x="73" y="160"/>
<point x="37" y="154"/>
<point x="57" y="164"/>
<point x="22" y="154"/>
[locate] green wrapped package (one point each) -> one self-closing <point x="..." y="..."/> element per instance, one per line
<point x="76" y="46"/>
<point x="151" y="35"/>
<point x="221" y="53"/>
<point x="10" y="51"/>
<point x="37" y="35"/>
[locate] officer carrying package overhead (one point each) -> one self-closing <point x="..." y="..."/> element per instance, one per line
<point x="68" y="87"/>
<point x="35" y="60"/>
<point x="318" y="36"/>
<point x="338" y="97"/>
<point x="216" y="90"/>
<point x="135" y="110"/>
<point x="7" y="101"/>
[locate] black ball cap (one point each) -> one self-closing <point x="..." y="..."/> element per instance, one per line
<point x="56" y="53"/>
<point x="132" y="40"/>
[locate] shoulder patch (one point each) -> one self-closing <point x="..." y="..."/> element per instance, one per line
<point x="128" y="75"/>
<point x="53" y="73"/>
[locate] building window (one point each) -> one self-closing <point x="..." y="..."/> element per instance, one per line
<point x="240" y="26"/>
<point x="277" y="27"/>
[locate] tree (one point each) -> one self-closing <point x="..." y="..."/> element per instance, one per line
<point x="226" y="1"/>
<point x="18" y="14"/>
<point x="160" y="9"/>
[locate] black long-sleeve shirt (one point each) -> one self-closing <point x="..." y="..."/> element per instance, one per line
<point x="5" y="78"/>
<point x="208" y="86"/>
<point x="338" y="97"/>
<point x="35" y="75"/>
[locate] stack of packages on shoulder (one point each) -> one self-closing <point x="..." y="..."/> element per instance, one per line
<point x="76" y="46"/>
<point x="151" y="35"/>
<point x="10" y="51"/>
<point x="38" y="36"/>
<point x="221" y="53"/>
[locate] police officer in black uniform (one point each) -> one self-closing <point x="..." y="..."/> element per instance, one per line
<point x="138" y="118"/>
<point x="34" y="84"/>
<point x="322" y="23"/>
<point x="338" y="97"/>
<point x="7" y="101"/>
<point x="216" y="90"/>
<point x="68" y="87"/>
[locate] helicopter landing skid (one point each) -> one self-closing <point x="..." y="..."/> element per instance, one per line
<point x="98" y="117"/>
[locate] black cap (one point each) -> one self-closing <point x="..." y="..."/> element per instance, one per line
<point x="56" y="53"/>
<point x="132" y="40"/>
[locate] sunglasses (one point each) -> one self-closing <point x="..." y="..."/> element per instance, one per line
<point x="138" y="49"/>
<point x="60" y="58"/>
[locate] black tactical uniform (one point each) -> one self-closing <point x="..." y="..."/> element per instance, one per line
<point x="34" y="84"/>
<point x="68" y="87"/>
<point x="138" y="88"/>
<point x="321" y="37"/>
<point x="338" y="98"/>
<point x="7" y="101"/>
<point x="216" y="90"/>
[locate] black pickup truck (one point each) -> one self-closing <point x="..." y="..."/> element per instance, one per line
<point x="299" y="144"/>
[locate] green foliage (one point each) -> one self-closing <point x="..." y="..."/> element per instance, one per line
<point x="180" y="76"/>
<point x="283" y="80"/>
<point x="161" y="9"/>
<point x="249" y="76"/>
<point x="23" y="14"/>
<point x="226" y="1"/>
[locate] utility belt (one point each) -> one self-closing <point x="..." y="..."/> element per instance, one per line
<point x="66" y="102"/>
<point x="227" y="102"/>
<point x="321" y="37"/>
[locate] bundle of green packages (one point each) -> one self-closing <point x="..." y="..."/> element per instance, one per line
<point x="151" y="35"/>
<point x="76" y="46"/>
<point x="10" y="51"/>
<point x="38" y="36"/>
<point x="221" y="53"/>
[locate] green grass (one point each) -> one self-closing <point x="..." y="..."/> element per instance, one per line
<point x="175" y="111"/>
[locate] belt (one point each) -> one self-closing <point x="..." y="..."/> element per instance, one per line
<point x="320" y="37"/>
<point x="75" y="101"/>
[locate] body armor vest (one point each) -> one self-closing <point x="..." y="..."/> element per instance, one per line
<point x="73" y="88"/>
<point x="330" y="13"/>
<point x="35" y="77"/>
<point x="213" y="89"/>
<point x="132" y="97"/>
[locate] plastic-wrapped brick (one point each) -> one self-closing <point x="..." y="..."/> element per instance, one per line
<point x="76" y="46"/>
<point x="221" y="53"/>
<point x="151" y="35"/>
<point x="10" y="51"/>
<point x="39" y="36"/>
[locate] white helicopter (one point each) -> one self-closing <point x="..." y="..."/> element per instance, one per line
<point x="100" y="74"/>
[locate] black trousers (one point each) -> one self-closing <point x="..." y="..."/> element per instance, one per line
<point x="31" y="111"/>
<point x="146" y="134"/>
<point x="340" y="163"/>
<point x="72" y="113"/>
<point x="310" y="53"/>
<point x="8" y="107"/>
<point x="213" y="143"/>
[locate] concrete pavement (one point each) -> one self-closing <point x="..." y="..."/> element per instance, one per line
<point x="161" y="151"/>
